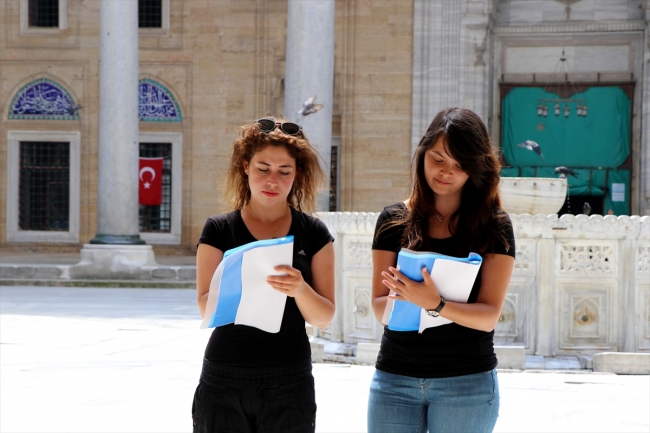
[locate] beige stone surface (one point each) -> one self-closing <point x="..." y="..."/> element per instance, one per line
<point x="223" y="61"/>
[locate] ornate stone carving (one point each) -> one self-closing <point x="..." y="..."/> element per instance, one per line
<point x="525" y="258"/>
<point x="586" y="317"/>
<point x="643" y="260"/>
<point x="506" y="327"/>
<point x="362" y="311"/>
<point x="358" y="252"/>
<point x="585" y="257"/>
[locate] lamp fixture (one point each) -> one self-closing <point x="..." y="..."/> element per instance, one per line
<point x="564" y="89"/>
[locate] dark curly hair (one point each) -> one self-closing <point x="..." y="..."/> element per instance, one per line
<point x="310" y="176"/>
<point x="479" y="220"/>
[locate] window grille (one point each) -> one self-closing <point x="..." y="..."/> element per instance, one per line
<point x="150" y="13"/>
<point x="334" y="167"/>
<point x="158" y="218"/>
<point x="44" y="13"/>
<point x="44" y="186"/>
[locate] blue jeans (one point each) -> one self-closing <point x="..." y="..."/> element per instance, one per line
<point x="402" y="404"/>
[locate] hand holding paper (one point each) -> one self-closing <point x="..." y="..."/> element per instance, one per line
<point x="453" y="277"/>
<point x="239" y="291"/>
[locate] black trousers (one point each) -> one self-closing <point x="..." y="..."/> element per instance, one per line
<point x="251" y="400"/>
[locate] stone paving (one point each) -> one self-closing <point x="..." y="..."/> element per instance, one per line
<point x="128" y="360"/>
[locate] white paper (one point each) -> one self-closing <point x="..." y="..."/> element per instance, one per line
<point x="213" y="296"/>
<point x="454" y="281"/>
<point x="261" y="305"/>
<point x="390" y="302"/>
<point x="618" y="192"/>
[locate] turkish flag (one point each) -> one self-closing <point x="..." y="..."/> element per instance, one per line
<point x="150" y="174"/>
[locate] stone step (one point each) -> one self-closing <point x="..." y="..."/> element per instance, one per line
<point x="59" y="275"/>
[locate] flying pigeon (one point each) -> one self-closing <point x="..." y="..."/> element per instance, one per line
<point x="586" y="208"/>
<point x="564" y="171"/>
<point x="74" y="108"/>
<point x="308" y="107"/>
<point x="531" y="145"/>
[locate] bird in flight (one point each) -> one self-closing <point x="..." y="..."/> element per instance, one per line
<point x="531" y="145"/>
<point x="72" y="110"/>
<point x="309" y="107"/>
<point x="565" y="171"/>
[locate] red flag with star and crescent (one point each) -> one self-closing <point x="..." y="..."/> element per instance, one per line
<point x="150" y="174"/>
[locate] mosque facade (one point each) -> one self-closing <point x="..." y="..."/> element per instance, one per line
<point x="569" y="75"/>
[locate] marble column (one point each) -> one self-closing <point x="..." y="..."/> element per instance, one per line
<point x="310" y="72"/>
<point x="450" y="41"/>
<point x="117" y="250"/>
<point x="117" y="195"/>
<point x="644" y="175"/>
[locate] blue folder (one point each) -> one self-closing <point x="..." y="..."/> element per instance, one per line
<point x="405" y="315"/>
<point x="230" y="288"/>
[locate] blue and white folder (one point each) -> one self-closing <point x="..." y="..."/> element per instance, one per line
<point x="239" y="292"/>
<point x="453" y="276"/>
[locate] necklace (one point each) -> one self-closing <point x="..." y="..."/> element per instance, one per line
<point x="438" y="218"/>
<point x="277" y="226"/>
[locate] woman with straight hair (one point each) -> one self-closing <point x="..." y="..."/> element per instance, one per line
<point x="252" y="380"/>
<point x="444" y="379"/>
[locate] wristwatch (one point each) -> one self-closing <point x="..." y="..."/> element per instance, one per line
<point x="436" y="311"/>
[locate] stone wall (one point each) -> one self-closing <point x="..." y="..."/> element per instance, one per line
<point x="224" y="63"/>
<point x="581" y="285"/>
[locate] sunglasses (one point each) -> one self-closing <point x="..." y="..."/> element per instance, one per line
<point x="268" y="125"/>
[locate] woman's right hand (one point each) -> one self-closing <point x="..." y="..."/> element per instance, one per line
<point x="423" y="293"/>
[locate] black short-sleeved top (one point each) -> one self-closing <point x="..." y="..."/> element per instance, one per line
<point x="246" y="346"/>
<point x="442" y="351"/>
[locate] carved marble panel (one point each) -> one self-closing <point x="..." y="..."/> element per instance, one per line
<point x="643" y="325"/>
<point x="587" y="318"/>
<point x="589" y="257"/>
<point x="357" y="251"/>
<point x="526" y="259"/>
<point x="514" y="325"/>
<point x="359" y="324"/>
<point x="643" y="261"/>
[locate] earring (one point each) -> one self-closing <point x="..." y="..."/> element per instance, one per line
<point x="246" y="171"/>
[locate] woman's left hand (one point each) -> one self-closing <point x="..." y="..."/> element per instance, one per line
<point x="421" y="293"/>
<point x="292" y="284"/>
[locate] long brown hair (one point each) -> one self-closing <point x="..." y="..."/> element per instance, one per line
<point x="309" y="179"/>
<point x="479" y="218"/>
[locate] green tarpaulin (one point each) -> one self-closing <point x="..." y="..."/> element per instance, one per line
<point x="593" y="145"/>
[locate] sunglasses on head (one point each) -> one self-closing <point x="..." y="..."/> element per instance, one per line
<point x="268" y="125"/>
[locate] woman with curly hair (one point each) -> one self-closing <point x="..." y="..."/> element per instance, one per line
<point x="252" y="380"/>
<point x="443" y="379"/>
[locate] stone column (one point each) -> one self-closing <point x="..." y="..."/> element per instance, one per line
<point x="310" y="72"/>
<point x="644" y="175"/>
<point x="120" y="253"/>
<point x="450" y="41"/>
<point x="117" y="195"/>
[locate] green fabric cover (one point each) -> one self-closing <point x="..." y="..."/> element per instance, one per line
<point x="592" y="146"/>
<point x="601" y="139"/>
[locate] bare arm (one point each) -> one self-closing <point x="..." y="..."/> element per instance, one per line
<point x="482" y="315"/>
<point x="381" y="261"/>
<point x="316" y="302"/>
<point x="207" y="260"/>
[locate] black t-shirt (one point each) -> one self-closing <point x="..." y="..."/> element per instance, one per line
<point x="245" y="346"/>
<point x="442" y="351"/>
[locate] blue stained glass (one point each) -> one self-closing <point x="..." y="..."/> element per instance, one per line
<point x="156" y="103"/>
<point x="43" y="99"/>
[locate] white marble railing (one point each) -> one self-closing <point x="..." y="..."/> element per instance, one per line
<point x="581" y="285"/>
